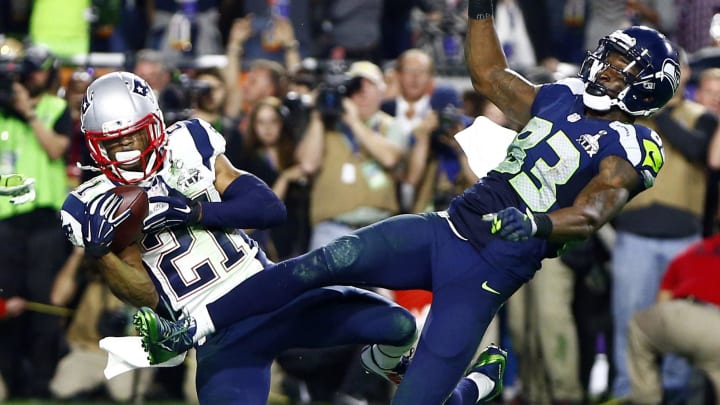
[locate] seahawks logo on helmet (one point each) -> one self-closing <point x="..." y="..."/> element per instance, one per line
<point x="670" y="71"/>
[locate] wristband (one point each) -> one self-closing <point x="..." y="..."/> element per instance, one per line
<point x="480" y="9"/>
<point x="544" y="226"/>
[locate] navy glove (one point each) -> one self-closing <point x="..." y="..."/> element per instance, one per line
<point x="177" y="211"/>
<point x="511" y="224"/>
<point x="102" y="221"/>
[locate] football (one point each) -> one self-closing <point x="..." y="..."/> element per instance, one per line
<point x="130" y="230"/>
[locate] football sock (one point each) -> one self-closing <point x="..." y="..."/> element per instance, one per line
<point x="203" y="323"/>
<point x="387" y="357"/>
<point x="484" y="384"/>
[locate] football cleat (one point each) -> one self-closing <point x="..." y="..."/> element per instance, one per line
<point x="491" y="363"/>
<point x="163" y="339"/>
<point x="394" y="375"/>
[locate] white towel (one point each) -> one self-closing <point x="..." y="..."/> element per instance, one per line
<point x="126" y="353"/>
<point x="485" y="143"/>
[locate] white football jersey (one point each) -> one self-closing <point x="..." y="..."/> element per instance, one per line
<point x="190" y="266"/>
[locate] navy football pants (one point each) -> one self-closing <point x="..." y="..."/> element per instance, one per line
<point x="406" y="252"/>
<point x="234" y="363"/>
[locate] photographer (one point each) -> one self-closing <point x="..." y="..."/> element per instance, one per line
<point x="35" y="128"/>
<point x="208" y="95"/>
<point x="352" y="148"/>
<point x="437" y="166"/>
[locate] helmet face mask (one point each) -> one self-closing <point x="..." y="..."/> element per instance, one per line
<point x="120" y="112"/>
<point x="652" y="73"/>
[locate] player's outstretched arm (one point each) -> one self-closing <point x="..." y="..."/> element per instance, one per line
<point x="488" y="67"/>
<point x="598" y="202"/>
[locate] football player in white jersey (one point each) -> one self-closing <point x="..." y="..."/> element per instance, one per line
<point x="193" y="250"/>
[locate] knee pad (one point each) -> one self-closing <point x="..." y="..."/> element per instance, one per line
<point x="406" y="325"/>
<point x="342" y="253"/>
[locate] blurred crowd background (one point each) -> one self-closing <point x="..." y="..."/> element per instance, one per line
<point x="347" y="109"/>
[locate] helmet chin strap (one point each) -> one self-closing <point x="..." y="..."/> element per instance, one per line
<point x="595" y="97"/>
<point x="597" y="103"/>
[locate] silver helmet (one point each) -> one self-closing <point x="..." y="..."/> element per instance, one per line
<point x="116" y="105"/>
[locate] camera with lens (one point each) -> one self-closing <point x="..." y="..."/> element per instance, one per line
<point x="11" y="67"/>
<point x="181" y="97"/>
<point x="449" y="117"/>
<point x="10" y="72"/>
<point x="331" y="90"/>
<point x="298" y="107"/>
<point x="336" y="85"/>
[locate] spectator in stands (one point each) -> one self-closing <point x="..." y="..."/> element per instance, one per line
<point x="77" y="153"/>
<point x="152" y="66"/>
<point x="708" y="94"/>
<point x="413" y="115"/>
<point x="36" y="126"/>
<point x="685" y="128"/>
<point x="265" y="77"/>
<point x="684" y="321"/>
<point x="268" y="151"/>
<point x="352" y="151"/>
<point x="209" y="95"/>
<point x="708" y="89"/>
<point x="98" y="314"/>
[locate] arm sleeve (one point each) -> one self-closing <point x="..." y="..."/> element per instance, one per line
<point x="247" y="203"/>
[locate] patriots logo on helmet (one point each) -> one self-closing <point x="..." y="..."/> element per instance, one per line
<point x="85" y="103"/>
<point x="141" y="88"/>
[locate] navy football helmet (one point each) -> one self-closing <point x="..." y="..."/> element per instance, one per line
<point x="651" y="77"/>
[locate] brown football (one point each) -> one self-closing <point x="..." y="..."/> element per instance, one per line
<point x="130" y="230"/>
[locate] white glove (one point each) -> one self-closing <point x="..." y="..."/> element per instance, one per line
<point x="19" y="187"/>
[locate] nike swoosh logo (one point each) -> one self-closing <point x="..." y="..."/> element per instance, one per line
<point x="184" y="210"/>
<point x="487" y="288"/>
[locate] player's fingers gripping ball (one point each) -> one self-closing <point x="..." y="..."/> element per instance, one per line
<point x="170" y="212"/>
<point x="102" y="221"/>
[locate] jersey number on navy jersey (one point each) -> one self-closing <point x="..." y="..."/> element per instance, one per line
<point x="540" y="198"/>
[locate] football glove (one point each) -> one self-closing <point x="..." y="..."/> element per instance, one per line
<point x="174" y="211"/>
<point x="21" y="188"/>
<point x="102" y="221"/>
<point x="511" y="224"/>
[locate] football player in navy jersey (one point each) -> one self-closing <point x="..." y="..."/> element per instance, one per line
<point x="193" y="249"/>
<point x="578" y="159"/>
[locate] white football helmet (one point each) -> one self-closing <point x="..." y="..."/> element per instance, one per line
<point x="115" y="105"/>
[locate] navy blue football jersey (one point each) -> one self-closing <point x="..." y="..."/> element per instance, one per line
<point x="553" y="158"/>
